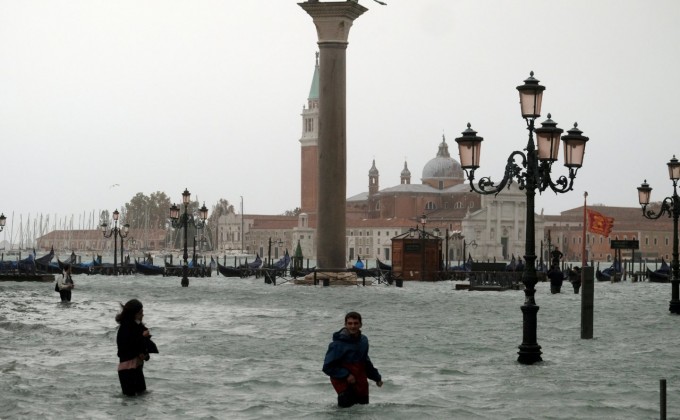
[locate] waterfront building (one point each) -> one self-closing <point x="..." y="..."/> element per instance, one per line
<point x="92" y="240"/>
<point x="566" y="231"/>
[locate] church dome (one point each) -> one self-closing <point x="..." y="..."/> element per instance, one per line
<point x="443" y="165"/>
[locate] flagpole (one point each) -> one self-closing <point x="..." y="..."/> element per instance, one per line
<point x="584" y="259"/>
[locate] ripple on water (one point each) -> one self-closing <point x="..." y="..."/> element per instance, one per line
<point x="244" y="350"/>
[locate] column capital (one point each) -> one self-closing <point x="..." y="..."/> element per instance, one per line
<point x="333" y="20"/>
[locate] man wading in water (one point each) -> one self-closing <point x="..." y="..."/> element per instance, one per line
<point x="348" y="364"/>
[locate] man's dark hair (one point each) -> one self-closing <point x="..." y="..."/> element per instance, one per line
<point x="353" y="315"/>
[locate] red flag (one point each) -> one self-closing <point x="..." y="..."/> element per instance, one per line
<point x="599" y="223"/>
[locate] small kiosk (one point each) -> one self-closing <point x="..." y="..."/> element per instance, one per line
<point x="417" y="255"/>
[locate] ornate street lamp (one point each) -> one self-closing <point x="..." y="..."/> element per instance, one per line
<point x="471" y="244"/>
<point x="533" y="172"/>
<point x="3" y="220"/>
<point x="116" y="232"/>
<point x="182" y="221"/>
<point x="671" y="207"/>
<point x="459" y="235"/>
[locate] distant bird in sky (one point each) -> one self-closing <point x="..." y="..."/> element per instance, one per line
<point x="114" y="185"/>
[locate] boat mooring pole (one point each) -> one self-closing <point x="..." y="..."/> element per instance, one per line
<point x="662" y="397"/>
<point x="587" y="297"/>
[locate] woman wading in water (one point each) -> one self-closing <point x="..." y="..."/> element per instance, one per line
<point x="134" y="345"/>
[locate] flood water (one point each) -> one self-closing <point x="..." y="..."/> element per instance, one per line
<point x="241" y="349"/>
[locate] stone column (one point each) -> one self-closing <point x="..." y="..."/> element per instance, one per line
<point x="333" y="21"/>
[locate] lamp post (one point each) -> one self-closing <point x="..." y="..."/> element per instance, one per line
<point x="116" y="232"/>
<point x="446" y="249"/>
<point x="242" y="234"/>
<point x="671" y="206"/>
<point x="183" y="222"/>
<point x="459" y="235"/>
<point x="472" y="244"/>
<point x="533" y="172"/>
<point x="278" y="243"/>
<point x="423" y="221"/>
<point x="437" y="233"/>
<point x="3" y="220"/>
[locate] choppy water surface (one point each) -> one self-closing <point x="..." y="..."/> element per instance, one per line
<point x="240" y="349"/>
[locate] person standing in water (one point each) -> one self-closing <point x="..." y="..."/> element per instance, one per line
<point x="65" y="285"/>
<point x="134" y="346"/>
<point x="348" y="365"/>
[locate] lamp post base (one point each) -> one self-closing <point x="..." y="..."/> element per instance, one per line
<point x="529" y="351"/>
<point x="675" y="302"/>
<point x="529" y="354"/>
<point x="185" y="277"/>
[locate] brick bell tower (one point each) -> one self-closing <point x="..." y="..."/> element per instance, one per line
<point x="309" y="160"/>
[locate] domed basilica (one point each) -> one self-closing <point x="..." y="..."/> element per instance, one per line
<point x="442" y="194"/>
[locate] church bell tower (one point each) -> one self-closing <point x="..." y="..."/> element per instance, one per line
<point x="309" y="161"/>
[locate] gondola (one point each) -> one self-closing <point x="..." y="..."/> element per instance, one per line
<point x="362" y="271"/>
<point x="662" y="275"/>
<point x="278" y="269"/>
<point x="44" y="264"/>
<point x="366" y="272"/>
<point x="466" y="266"/>
<point x="658" y="277"/>
<point x="283" y="262"/>
<point x="243" y="270"/>
<point x="26" y="265"/>
<point x="30" y="264"/>
<point x="230" y="271"/>
<point x="302" y="272"/>
<point x="612" y="273"/>
<point x="248" y="269"/>
<point x="75" y="268"/>
<point x="149" y="269"/>
<point x="383" y="266"/>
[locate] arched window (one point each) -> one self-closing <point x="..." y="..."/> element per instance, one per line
<point x="430" y="206"/>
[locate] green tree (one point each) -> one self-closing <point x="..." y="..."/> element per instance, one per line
<point x="221" y="208"/>
<point x="147" y="211"/>
<point x="295" y="212"/>
<point x="159" y="210"/>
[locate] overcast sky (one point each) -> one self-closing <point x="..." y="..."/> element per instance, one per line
<point x="100" y="100"/>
